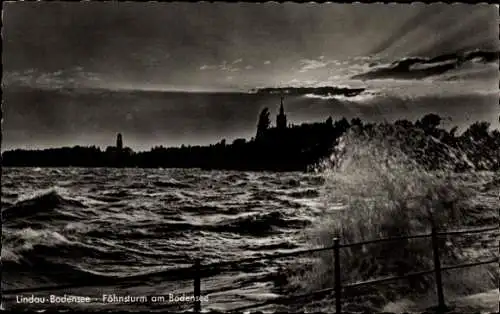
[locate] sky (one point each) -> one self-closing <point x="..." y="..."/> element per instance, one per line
<point x="213" y="47"/>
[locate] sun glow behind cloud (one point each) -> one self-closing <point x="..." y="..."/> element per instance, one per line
<point x="254" y="44"/>
<point x="211" y="47"/>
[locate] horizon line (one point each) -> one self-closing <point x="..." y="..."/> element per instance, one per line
<point x="248" y="139"/>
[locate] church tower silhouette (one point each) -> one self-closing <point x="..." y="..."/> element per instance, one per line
<point x="281" y="117"/>
<point x="119" y="141"/>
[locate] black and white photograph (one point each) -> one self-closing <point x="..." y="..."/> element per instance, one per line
<point x="250" y="157"/>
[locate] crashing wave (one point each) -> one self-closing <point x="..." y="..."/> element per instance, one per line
<point x="394" y="183"/>
<point x="41" y="203"/>
<point x="434" y="150"/>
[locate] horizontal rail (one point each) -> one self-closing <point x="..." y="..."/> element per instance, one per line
<point x="390" y="239"/>
<point x="393" y="278"/>
<point x="187" y="270"/>
<point x="468" y="231"/>
<point x="491" y="261"/>
<point x="363" y="283"/>
<point x="420" y="273"/>
<point x="418" y="236"/>
<point x="308" y="251"/>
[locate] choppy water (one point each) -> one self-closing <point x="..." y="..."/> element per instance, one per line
<point x="86" y="226"/>
<point x="68" y="225"/>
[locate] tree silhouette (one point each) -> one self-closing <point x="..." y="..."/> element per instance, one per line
<point x="292" y="149"/>
<point x="342" y="125"/>
<point x="264" y="123"/>
<point x="453" y="131"/>
<point x="477" y="130"/>
<point x="356" y="121"/>
<point x="404" y="124"/>
<point x="429" y="121"/>
<point x="329" y="121"/>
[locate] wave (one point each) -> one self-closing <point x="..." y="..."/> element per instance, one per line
<point x="48" y="272"/>
<point x="272" y="246"/>
<point x="201" y="209"/>
<point x="232" y="178"/>
<point x="52" y="256"/>
<point x="434" y="148"/>
<point x="107" y="198"/>
<point x="138" y="185"/>
<point x="309" y="193"/>
<point x="494" y="184"/>
<point x="8" y="184"/>
<point x="117" y="194"/>
<point x="255" y="225"/>
<point x="4" y="203"/>
<point x="15" y="242"/>
<point x="171" y="184"/>
<point x="387" y="192"/>
<point x="41" y="204"/>
<point x="265" y="195"/>
<point x="9" y="194"/>
<point x="259" y="224"/>
<point x="49" y="243"/>
<point x="292" y="183"/>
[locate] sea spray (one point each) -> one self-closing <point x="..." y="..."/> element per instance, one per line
<point x="387" y="192"/>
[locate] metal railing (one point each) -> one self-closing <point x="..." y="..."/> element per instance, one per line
<point x="199" y="270"/>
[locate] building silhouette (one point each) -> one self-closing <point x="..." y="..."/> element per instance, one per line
<point x="119" y="142"/>
<point x="281" y="117"/>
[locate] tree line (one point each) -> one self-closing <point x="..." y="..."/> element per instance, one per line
<point x="295" y="148"/>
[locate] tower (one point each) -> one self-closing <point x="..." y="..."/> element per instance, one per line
<point x="119" y="141"/>
<point x="281" y="117"/>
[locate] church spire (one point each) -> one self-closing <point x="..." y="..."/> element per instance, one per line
<point x="281" y="117"/>
<point x="282" y="110"/>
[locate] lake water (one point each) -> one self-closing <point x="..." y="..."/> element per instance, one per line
<point x="85" y="226"/>
<point x="68" y="225"/>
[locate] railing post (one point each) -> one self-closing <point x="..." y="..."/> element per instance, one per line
<point x="197" y="285"/>
<point x="338" y="283"/>
<point x="437" y="270"/>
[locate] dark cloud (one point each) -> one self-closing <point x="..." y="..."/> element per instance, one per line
<point x="420" y="15"/>
<point x="318" y="91"/>
<point x="134" y="43"/>
<point x="77" y="72"/>
<point x="419" y="68"/>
